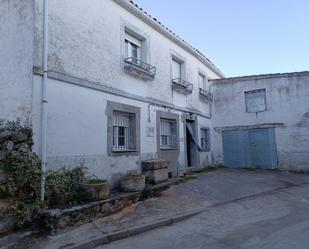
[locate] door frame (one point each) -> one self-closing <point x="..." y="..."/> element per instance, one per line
<point x="190" y="118"/>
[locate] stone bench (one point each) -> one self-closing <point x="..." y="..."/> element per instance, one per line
<point x="155" y="171"/>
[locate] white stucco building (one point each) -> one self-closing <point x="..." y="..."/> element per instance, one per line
<point x="123" y="88"/>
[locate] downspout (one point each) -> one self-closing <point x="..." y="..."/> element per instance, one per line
<point x="44" y="100"/>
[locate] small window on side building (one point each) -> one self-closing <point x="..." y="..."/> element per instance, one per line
<point x="205" y="139"/>
<point x="255" y="100"/>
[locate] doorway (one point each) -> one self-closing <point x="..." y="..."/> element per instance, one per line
<point x="191" y="143"/>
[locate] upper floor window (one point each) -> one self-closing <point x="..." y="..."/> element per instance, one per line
<point x="176" y="69"/>
<point x="202" y="81"/>
<point x="255" y="100"/>
<point x="168" y="133"/>
<point x="135" y="61"/>
<point x="133" y="46"/>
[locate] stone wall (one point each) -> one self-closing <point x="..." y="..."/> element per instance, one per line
<point x="14" y="139"/>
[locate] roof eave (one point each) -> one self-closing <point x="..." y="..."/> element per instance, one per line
<point x="167" y="33"/>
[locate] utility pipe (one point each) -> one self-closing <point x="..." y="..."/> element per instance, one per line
<point x="44" y="99"/>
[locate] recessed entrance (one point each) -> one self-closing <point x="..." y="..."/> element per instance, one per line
<point x="191" y="143"/>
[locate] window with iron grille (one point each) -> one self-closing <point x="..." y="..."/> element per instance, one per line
<point x="123" y="131"/>
<point x="168" y="133"/>
<point x="205" y="139"/>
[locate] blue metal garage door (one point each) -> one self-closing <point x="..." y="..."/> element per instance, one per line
<point x="254" y="148"/>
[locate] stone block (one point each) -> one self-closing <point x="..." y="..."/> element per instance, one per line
<point x="19" y="137"/>
<point x="155" y="171"/>
<point x="133" y="183"/>
<point x="64" y="221"/>
<point x="23" y="148"/>
<point x="8" y="145"/>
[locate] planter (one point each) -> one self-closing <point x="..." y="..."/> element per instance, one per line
<point x="156" y="171"/>
<point x="95" y="192"/>
<point x="133" y="183"/>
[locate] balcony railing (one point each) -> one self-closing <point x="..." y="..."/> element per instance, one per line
<point x="205" y="95"/>
<point x="182" y="85"/>
<point x="139" y="68"/>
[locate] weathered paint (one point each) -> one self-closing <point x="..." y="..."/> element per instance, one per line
<point x="287" y="100"/>
<point x="16" y="59"/>
<point x="86" y="71"/>
<point x="250" y="148"/>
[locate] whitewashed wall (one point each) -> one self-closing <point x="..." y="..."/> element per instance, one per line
<point x="287" y="101"/>
<point x="16" y="59"/>
<point x="87" y="44"/>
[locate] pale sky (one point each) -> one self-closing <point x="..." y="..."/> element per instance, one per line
<point x="241" y="37"/>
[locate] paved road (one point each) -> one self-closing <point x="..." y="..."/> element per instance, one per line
<point x="273" y="219"/>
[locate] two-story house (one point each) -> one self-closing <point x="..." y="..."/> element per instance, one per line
<point x="105" y="83"/>
<point x="120" y="87"/>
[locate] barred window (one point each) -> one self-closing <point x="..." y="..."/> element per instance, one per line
<point x="205" y="139"/>
<point x="123" y="131"/>
<point x="168" y="133"/>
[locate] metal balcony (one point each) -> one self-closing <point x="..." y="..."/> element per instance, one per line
<point x="205" y="95"/>
<point x="182" y="85"/>
<point x="139" y="68"/>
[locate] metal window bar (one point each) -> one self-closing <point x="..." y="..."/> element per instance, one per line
<point x="123" y="130"/>
<point x="184" y="84"/>
<point x="133" y="61"/>
<point x="206" y="94"/>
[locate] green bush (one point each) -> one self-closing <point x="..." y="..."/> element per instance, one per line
<point x="62" y="186"/>
<point x="22" y="185"/>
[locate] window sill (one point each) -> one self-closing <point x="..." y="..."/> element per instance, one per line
<point x="124" y="151"/>
<point x="162" y="148"/>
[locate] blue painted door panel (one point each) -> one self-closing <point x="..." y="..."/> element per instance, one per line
<point x="262" y="148"/>
<point x="249" y="148"/>
<point x="236" y="151"/>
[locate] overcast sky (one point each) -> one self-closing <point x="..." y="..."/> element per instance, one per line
<point x="241" y="37"/>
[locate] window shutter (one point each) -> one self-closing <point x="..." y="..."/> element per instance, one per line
<point x="173" y="131"/>
<point x="207" y="139"/>
<point x="133" y="39"/>
<point x="176" y="69"/>
<point x="132" y="133"/>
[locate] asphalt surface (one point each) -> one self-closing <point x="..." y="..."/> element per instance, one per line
<point x="272" y="214"/>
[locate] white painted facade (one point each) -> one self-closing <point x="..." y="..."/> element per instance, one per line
<point x="86" y="70"/>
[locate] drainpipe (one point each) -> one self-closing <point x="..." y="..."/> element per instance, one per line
<point x="44" y="100"/>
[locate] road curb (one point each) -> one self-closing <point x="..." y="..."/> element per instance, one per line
<point x="125" y="233"/>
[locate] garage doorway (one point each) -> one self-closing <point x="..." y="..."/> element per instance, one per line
<point x="252" y="148"/>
